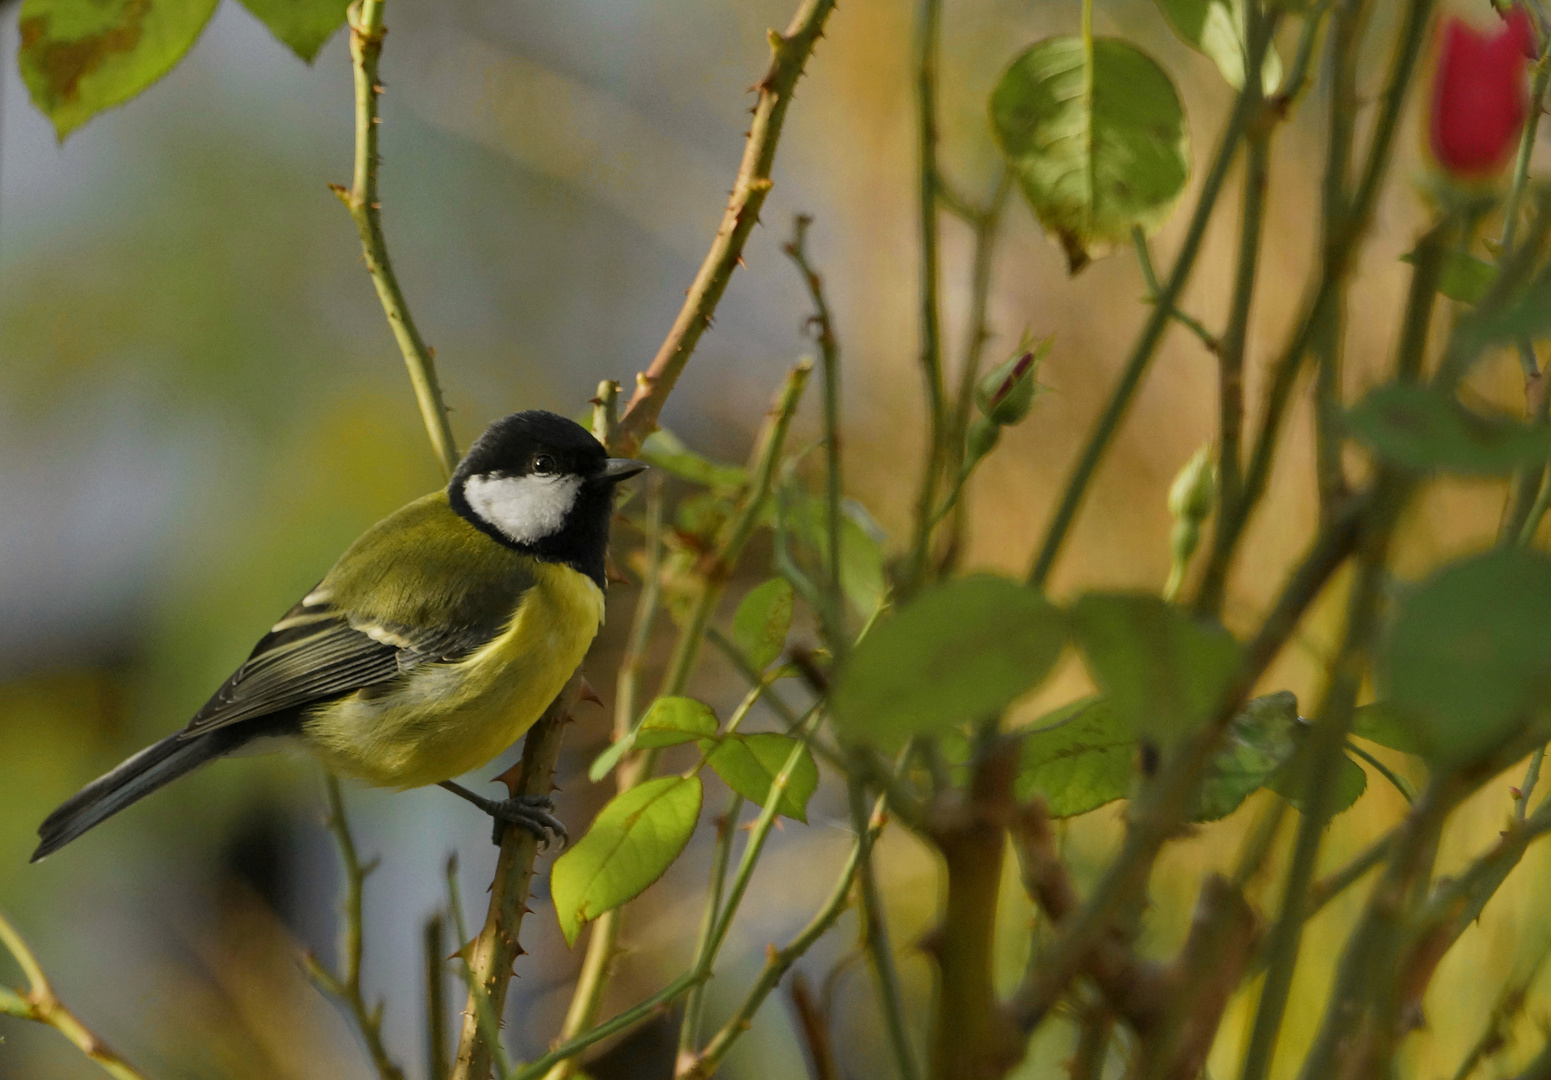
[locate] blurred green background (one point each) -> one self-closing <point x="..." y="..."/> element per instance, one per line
<point x="200" y="406"/>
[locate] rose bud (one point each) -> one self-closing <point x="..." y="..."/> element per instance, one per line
<point x="1480" y="97"/>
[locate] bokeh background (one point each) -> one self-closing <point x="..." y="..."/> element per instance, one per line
<point x="200" y="406"/>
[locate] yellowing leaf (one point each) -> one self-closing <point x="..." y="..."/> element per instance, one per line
<point x="79" y="57"/>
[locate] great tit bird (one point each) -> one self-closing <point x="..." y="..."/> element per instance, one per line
<point x="434" y="643"/>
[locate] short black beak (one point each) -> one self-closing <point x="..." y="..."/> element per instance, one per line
<point x="618" y="468"/>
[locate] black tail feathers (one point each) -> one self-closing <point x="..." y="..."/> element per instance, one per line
<point x="157" y="765"/>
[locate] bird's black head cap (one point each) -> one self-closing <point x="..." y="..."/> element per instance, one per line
<point x="541" y="484"/>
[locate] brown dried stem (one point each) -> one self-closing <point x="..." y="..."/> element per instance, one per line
<point x="789" y="56"/>
<point x="40" y="1004"/>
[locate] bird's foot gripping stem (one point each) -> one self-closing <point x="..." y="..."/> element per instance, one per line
<point x="534" y="813"/>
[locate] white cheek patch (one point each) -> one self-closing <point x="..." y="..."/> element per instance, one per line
<point x="526" y="509"/>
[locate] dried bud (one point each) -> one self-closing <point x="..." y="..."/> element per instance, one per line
<point x="1480" y="97"/>
<point x="1006" y="393"/>
<point x="1194" y="490"/>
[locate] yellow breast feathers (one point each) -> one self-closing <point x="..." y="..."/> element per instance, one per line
<point x="444" y="719"/>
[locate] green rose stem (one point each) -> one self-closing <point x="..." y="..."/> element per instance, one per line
<point x="361" y="199"/>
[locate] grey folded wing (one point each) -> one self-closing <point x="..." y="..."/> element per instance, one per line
<point x="317" y="653"/>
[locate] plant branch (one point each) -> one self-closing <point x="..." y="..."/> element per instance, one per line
<point x="779" y="961"/>
<point x="928" y="25"/>
<point x="789" y="56"/>
<point x="832" y="611"/>
<point x="434" y="948"/>
<point x="987" y="227"/>
<point x="495" y="948"/>
<point x="40" y="1004"/>
<point x="1150" y="279"/>
<point x="721" y="857"/>
<point x="1230" y="356"/>
<point x="1336" y="263"/>
<point x="1156" y="816"/>
<point x="875" y="938"/>
<point x="973" y="1036"/>
<point x="361" y="199"/>
<point x="346" y="987"/>
<point x="1323" y="750"/>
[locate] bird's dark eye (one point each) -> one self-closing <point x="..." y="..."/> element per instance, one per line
<point x="543" y="464"/>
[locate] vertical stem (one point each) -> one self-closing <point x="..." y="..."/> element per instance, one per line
<point x="1230" y="357"/>
<point x="976" y="333"/>
<point x="833" y="608"/>
<point x="495" y="948"/>
<point x="366" y="34"/>
<point x="1537" y="97"/>
<point x="880" y="953"/>
<point x="1350" y="19"/>
<point x="1528" y="482"/>
<point x="1322" y="754"/>
<point x="347" y="987"/>
<point x="694" y="1005"/>
<point x="602" y="942"/>
<point x="435" y="944"/>
<point x="927" y="30"/>
<point x="1330" y="285"/>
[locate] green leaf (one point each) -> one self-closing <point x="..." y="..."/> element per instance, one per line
<point x="1465" y="278"/>
<point x="1081" y="757"/>
<point x="79" y="57"/>
<point x="958" y="652"/>
<point x="762" y="621"/>
<point x="1469" y="653"/>
<point x="1162" y="669"/>
<point x="750" y="763"/>
<point x="1351" y="782"/>
<point x="1378" y="722"/>
<point x="1260" y="740"/>
<point x="1526" y="316"/>
<point x="1216" y="28"/>
<point x="861" y="547"/>
<point x="663" y="449"/>
<point x="1421" y="428"/>
<point x="674" y="720"/>
<point x="1092" y="165"/>
<point x="302" y="25"/>
<point x="634" y="840"/>
<point x="604" y="763"/>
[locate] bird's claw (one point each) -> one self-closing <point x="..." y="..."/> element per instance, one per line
<point x="534" y="813"/>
